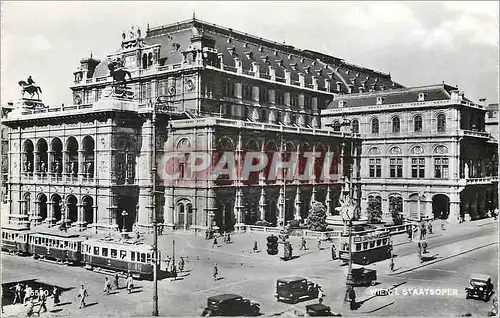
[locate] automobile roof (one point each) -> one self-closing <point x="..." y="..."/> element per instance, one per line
<point x="480" y="277"/>
<point x="317" y="307"/>
<point x="290" y="279"/>
<point x="223" y="297"/>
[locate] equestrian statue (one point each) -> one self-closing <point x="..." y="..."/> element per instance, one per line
<point x="30" y="88"/>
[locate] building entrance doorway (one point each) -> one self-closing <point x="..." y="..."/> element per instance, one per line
<point x="440" y="206"/>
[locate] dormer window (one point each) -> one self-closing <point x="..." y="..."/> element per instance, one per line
<point x="357" y="75"/>
<point x="265" y="59"/>
<point x="313" y="63"/>
<point x="261" y="49"/>
<point x="231" y="50"/>
<point x="302" y="60"/>
<point x="382" y="87"/>
<point x="337" y="69"/>
<point x="249" y="55"/>
<point x="280" y="63"/>
<point x="347" y="72"/>
<point x="342" y="103"/>
<point x="175" y="47"/>
<point x="290" y="56"/>
<point x="421" y="97"/>
<point x="245" y="44"/>
<point x="308" y="70"/>
<point x="275" y="52"/>
<point x="294" y="66"/>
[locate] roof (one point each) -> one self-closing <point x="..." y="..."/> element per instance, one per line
<point x="176" y="38"/>
<point x="223" y="297"/>
<point x="290" y="279"/>
<point x="396" y="96"/>
<point x="480" y="277"/>
<point x="317" y="307"/>
<point x="123" y="243"/>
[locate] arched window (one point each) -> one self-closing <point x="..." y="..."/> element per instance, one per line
<point x="375" y="127"/>
<point x="144" y="61"/>
<point x="441" y="122"/>
<point x="417" y="123"/>
<point x="150" y="59"/>
<point x="355" y="126"/>
<point x="396" y="127"/>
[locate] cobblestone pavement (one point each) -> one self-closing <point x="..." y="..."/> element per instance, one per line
<point x="253" y="275"/>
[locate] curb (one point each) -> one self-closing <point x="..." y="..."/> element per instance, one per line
<point x="442" y="259"/>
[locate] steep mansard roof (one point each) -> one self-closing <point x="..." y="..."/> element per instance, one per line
<point x="175" y="38"/>
<point x="396" y="96"/>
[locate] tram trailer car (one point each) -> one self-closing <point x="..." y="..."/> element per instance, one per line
<point x="15" y="239"/>
<point x="122" y="256"/>
<point x="367" y="247"/>
<point x="61" y="247"/>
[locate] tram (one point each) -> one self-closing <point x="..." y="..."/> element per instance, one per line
<point x="59" y="246"/>
<point x="15" y="239"/>
<point x="366" y="247"/>
<point x="127" y="256"/>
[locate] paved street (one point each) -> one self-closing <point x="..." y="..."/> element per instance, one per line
<point x="254" y="275"/>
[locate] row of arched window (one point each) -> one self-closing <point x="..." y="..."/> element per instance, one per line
<point x="395" y="124"/>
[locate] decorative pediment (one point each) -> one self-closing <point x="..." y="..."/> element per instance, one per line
<point x="374" y="151"/>
<point x="395" y="151"/>
<point x="417" y="150"/>
<point x="441" y="149"/>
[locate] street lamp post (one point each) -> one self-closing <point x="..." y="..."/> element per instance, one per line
<point x="347" y="211"/>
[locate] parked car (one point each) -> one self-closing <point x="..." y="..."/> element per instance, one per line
<point x="295" y="288"/>
<point x="480" y="287"/>
<point x="318" y="310"/>
<point x="230" y="305"/>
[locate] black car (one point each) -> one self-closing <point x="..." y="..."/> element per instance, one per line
<point x="230" y="305"/>
<point x="320" y="310"/>
<point x="480" y="287"/>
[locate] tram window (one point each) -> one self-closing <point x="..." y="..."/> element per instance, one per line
<point x="148" y="260"/>
<point x="365" y="245"/>
<point x="358" y="246"/>
<point x="65" y="244"/>
<point x="104" y="252"/>
<point x="385" y="241"/>
<point x="123" y="254"/>
<point x="372" y="244"/>
<point x="143" y="257"/>
<point x="96" y="250"/>
<point x="132" y="256"/>
<point x="379" y="242"/>
<point x="114" y="253"/>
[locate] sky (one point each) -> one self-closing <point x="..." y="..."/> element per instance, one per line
<point x="419" y="43"/>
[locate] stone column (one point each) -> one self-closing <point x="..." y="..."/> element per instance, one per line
<point x="35" y="217"/>
<point x="36" y="164"/>
<point x="313" y="196"/>
<point x="80" y="217"/>
<point x="328" y="201"/>
<point x="65" y="165"/>
<point x="80" y="165"/>
<point x="50" y="158"/>
<point x="341" y="161"/>
<point x="168" y="208"/>
<point x="238" y="207"/>
<point x="297" y="204"/>
<point x="262" y="205"/>
<point x="281" y="200"/>
<point x="454" y="215"/>
<point x="50" y="213"/>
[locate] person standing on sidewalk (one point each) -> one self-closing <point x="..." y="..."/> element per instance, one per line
<point x="320" y="295"/>
<point x="352" y="298"/>
<point x="430" y="227"/>
<point x="319" y="243"/>
<point x="130" y="283"/>
<point x="17" y="293"/>
<point x="56" y="294"/>
<point x="181" y="264"/>
<point x="334" y="252"/>
<point x="82" y="294"/>
<point x="392" y="263"/>
<point x="42" y="299"/>
<point x="214" y="242"/>
<point x="107" y="285"/>
<point x="255" y="247"/>
<point x="117" y="281"/>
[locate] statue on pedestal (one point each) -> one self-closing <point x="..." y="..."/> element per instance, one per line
<point x="27" y="86"/>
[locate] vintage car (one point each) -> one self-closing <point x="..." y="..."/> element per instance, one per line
<point x="230" y="305"/>
<point x="480" y="287"/>
<point x="320" y="310"/>
<point x="364" y="276"/>
<point x="295" y="288"/>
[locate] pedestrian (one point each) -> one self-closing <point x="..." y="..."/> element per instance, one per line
<point x="334" y="252"/>
<point x="117" y="281"/>
<point x="181" y="264"/>
<point x="107" y="285"/>
<point x="392" y="263"/>
<point x="174" y="272"/>
<point x="42" y="299"/>
<point x="214" y="242"/>
<point x="424" y="247"/>
<point x="56" y="294"/>
<point x="320" y="295"/>
<point x="430" y="227"/>
<point x="224" y="236"/>
<point x="28" y="291"/>
<point x="82" y="294"/>
<point x="167" y="262"/>
<point x="216" y="271"/>
<point x="255" y="247"/>
<point x="137" y="234"/>
<point x="228" y="240"/>
<point x="319" y="243"/>
<point x="303" y="244"/>
<point x="17" y="293"/>
<point x="352" y="298"/>
<point x="442" y="225"/>
<point x="130" y="283"/>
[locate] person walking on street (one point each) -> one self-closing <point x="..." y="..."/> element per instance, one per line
<point x="334" y="252"/>
<point x="255" y="247"/>
<point x="303" y="244"/>
<point x="442" y="225"/>
<point x="214" y="242"/>
<point x="392" y="263"/>
<point x="130" y="283"/>
<point x="319" y="243"/>
<point x="17" y="293"/>
<point x="181" y="264"/>
<point x="216" y="271"/>
<point x="82" y="294"/>
<point x="107" y="285"/>
<point x="174" y="272"/>
<point x="27" y="293"/>
<point x="117" y="281"/>
<point x="430" y="228"/>
<point x="228" y="239"/>
<point x="56" y="294"/>
<point x="320" y="295"/>
<point x="42" y="299"/>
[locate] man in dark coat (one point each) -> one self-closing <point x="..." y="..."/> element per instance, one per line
<point x="352" y="298"/>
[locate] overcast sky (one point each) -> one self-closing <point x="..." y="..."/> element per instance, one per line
<point x="418" y="43"/>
